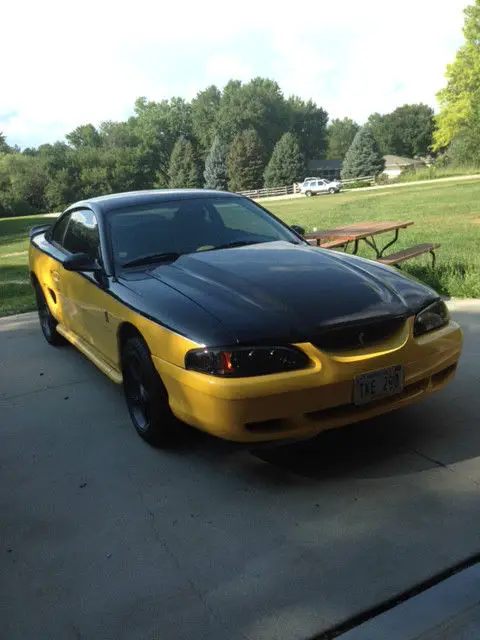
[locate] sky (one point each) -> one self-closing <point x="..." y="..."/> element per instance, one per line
<point x="66" y="64"/>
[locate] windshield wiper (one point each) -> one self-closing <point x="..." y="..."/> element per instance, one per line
<point x="152" y="257"/>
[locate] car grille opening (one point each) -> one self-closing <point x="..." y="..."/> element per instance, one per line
<point x="357" y="336"/>
<point x="265" y="426"/>
<point x="443" y="375"/>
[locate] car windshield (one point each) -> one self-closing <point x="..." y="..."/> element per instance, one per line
<point x="163" y="231"/>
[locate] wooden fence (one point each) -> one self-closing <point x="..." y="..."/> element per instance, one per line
<point x="369" y="179"/>
<point x="268" y="192"/>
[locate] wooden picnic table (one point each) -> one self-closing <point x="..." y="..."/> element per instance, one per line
<point x="367" y="231"/>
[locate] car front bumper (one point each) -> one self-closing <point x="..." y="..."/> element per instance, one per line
<point x="303" y="403"/>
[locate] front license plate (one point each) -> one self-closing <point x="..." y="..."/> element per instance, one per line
<point x="378" y="384"/>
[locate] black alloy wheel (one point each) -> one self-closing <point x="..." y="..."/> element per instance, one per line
<point x="146" y="396"/>
<point x="48" y="323"/>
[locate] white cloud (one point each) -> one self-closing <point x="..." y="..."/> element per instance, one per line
<point x="66" y="66"/>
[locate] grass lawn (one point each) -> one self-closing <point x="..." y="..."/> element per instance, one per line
<point x="448" y="213"/>
<point x="16" y="294"/>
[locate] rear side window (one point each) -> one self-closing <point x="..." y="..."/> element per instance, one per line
<point x="82" y="234"/>
<point x="59" y="229"/>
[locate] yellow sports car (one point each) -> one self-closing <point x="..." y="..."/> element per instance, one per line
<point x="210" y="310"/>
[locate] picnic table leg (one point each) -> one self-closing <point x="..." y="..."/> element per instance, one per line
<point x="371" y="243"/>
<point x="380" y="252"/>
<point x="387" y="246"/>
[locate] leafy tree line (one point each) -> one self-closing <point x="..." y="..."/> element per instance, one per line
<point x="244" y="137"/>
<point x="221" y="138"/>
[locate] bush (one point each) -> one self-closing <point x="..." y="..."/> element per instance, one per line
<point x="435" y="171"/>
<point x="383" y="178"/>
<point x="358" y="184"/>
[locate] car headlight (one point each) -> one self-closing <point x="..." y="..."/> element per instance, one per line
<point x="240" y="362"/>
<point x="432" y="317"/>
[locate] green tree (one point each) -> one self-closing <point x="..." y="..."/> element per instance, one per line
<point x="245" y="161"/>
<point x="412" y="126"/>
<point x="287" y="164"/>
<point x="457" y="98"/>
<point x="23" y="180"/>
<point x="4" y="147"/>
<point x="205" y="108"/>
<point x="340" y="135"/>
<point x="184" y="166"/>
<point x="406" y="131"/>
<point x="215" y="173"/>
<point x="118" y="135"/>
<point x="309" y="123"/>
<point x="364" y="157"/>
<point x="382" y="131"/>
<point x="63" y="171"/>
<point x="84" y="136"/>
<point x="465" y="146"/>
<point x="158" y="126"/>
<point x="259" y="105"/>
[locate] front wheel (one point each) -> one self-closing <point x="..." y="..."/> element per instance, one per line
<point x="146" y="397"/>
<point x="331" y="191"/>
<point x="308" y="194"/>
<point x="48" y="323"/>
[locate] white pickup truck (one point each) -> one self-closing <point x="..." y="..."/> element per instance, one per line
<point x="313" y="186"/>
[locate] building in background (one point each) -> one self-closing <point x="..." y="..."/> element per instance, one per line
<point x="328" y="169"/>
<point x="395" y="165"/>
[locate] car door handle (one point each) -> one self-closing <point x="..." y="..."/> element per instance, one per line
<point x="55" y="276"/>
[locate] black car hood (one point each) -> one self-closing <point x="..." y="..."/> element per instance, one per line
<point x="281" y="291"/>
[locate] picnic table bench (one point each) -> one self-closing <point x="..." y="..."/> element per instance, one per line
<point x="367" y="232"/>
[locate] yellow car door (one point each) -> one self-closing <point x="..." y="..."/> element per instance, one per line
<point x="86" y="292"/>
<point x="50" y="274"/>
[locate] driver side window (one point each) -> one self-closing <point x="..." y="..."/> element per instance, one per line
<point x="58" y="231"/>
<point x="82" y="234"/>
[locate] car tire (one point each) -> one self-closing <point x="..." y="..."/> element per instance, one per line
<point x="308" y="194"/>
<point x="332" y="191"/>
<point x="48" y="324"/>
<point x="146" y="396"/>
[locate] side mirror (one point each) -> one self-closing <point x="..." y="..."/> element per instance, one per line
<point x="298" y="229"/>
<point x="80" y="262"/>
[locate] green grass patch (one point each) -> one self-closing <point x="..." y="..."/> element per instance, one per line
<point x="16" y="294"/>
<point x="445" y="212"/>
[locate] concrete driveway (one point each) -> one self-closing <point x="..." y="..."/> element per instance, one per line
<point x="103" y="537"/>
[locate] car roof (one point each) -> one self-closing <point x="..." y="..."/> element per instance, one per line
<point x="130" y="198"/>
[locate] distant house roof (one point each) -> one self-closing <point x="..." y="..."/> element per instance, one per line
<point x="324" y="164"/>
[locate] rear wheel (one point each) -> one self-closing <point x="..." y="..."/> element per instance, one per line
<point x="145" y="395"/>
<point x="48" y="323"/>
